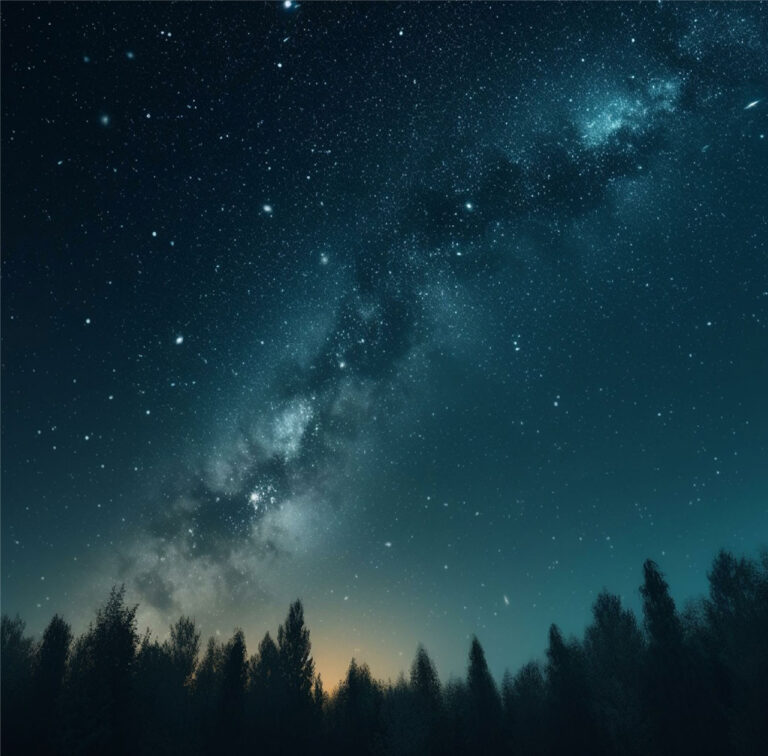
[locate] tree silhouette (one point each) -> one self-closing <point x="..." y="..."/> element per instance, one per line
<point x="426" y="705"/>
<point x="573" y="725"/>
<point x="232" y="694"/>
<point x="736" y="630"/>
<point x="690" y="683"/>
<point x="294" y="651"/>
<point x="398" y="718"/>
<point x="356" y="713"/>
<point x="48" y="680"/>
<point x="484" y="703"/>
<point x="265" y="702"/>
<point x="297" y="671"/>
<point x="153" y="676"/>
<point x="205" y="695"/>
<point x="425" y="683"/>
<point x="666" y="691"/>
<point x="456" y="697"/>
<point x="525" y="711"/>
<point x="16" y="652"/>
<point x="183" y="647"/>
<point x="163" y="673"/>
<point x="100" y="681"/>
<point x="662" y="622"/>
<point x="614" y="651"/>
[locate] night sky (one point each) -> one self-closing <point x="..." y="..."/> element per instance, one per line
<point x="439" y="317"/>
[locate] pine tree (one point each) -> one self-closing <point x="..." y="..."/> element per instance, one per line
<point x="294" y="648"/>
<point x="426" y="705"/>
<point x="266" y="699"/>
<point x="664" y="692"/>
<point x="297" y="673"/>
<point x="484" y="724"/>
<point x="205" y="695"/>
<point x="573" y="723"/>
<point x="662" y="622"/>
<point x="356" y="714"/>
<point x="232" y="694"/>
<point x="525" y="708"/>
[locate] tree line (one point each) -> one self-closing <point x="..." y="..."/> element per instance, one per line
<point x="691" y="682"/>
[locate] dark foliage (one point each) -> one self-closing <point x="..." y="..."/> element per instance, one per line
<point x="690" y="683"/>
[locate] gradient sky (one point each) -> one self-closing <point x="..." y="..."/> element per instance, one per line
<point x="441" y="318"/>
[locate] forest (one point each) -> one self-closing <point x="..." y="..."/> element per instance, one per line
<point x="675" y="682"/>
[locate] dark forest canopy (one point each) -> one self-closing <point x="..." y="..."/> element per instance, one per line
<point x="694" y="682"/>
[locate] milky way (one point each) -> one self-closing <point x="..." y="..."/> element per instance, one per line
<point x="440" y="317"/>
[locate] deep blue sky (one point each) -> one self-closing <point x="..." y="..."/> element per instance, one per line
<point x="442" y="318"/>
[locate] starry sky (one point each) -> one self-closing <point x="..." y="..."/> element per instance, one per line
<point x="440" y="317"/>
